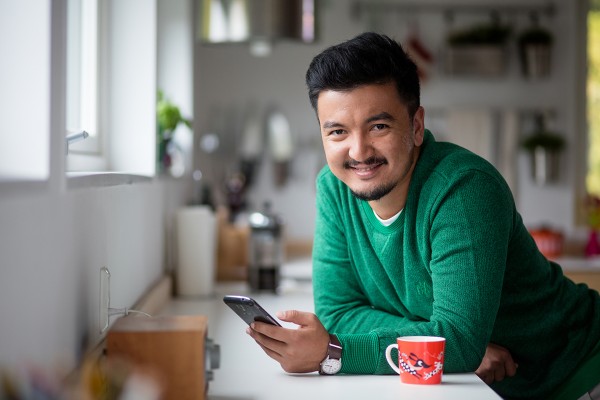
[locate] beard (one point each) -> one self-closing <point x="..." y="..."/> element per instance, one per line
<point x="377" y="192"/>
<point x="385" y="188"/>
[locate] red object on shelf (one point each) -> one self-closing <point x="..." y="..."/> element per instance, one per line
<point x="549" y="242"/>
<point x="592" y="248"/>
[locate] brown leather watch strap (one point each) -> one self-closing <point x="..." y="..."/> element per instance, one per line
<point x="334" y="350"/>
<point x="332" y="364"/>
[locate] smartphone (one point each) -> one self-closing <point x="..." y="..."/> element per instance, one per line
<point x="249" y="310"/>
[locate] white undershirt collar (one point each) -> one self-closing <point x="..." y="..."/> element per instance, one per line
<point x="389" y="221"/>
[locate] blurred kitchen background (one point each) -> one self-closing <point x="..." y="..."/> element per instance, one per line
<point x="199" y="105"/>
<point x="489" y="108"/>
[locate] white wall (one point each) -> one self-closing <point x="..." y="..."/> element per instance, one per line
<point x="228" y="78"/>
<point x="131" y="68"/>
<point x="51" y="252"/>
<point x="25" y="89"/>
<point x="55" y="235"/>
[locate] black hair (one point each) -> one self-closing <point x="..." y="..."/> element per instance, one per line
<point x="369" y="58"/>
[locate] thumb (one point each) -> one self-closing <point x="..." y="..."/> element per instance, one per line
<point x="301" y="318"/>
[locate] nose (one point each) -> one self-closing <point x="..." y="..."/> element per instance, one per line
<point x="361" y="147"/>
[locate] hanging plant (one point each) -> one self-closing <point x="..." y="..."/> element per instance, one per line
<point x="535" y="50"/>
<point x="479" y="50"/>
<point x="544" y="148"/>
<point x="547" y="140"/>
<point x="483" y="34"/>
<point x="535" y="35"/>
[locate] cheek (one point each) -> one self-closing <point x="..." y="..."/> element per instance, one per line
<point x="335" y="157"/>
<point x="405" y="144"/>
<point x="332" y="149"/>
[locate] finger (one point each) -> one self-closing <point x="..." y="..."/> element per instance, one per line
<point x="301" y="318"/>
<point x="275" y="332"/>
<point x="265" y="340"/>
<point x="485" y="377"/>
<point x="273" y="354"/>
<point x="511" y="367"/>
<point x="499" y="373"/>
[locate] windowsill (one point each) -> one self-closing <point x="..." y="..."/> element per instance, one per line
<point x="13" y="186"/>
<point x="79" y="180"/>
<point x="18" y="186"/>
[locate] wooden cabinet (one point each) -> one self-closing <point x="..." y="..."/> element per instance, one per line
<point x="173" y="347"/>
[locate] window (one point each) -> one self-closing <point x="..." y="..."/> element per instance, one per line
<point x="107" y="62"/>
<point x="82" y="66"/>
<point x="593" y="98"/>
<point x="111" y="89"/>
<point x="83" y="47"/>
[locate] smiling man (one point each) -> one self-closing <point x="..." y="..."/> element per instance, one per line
<point x="419" y="237"/>
<point x="372" y="151"/>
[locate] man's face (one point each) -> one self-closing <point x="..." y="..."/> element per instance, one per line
<point x="370" y="142"/>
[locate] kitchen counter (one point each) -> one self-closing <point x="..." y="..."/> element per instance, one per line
<point x="246" y="372"/>
<point x="582" y="270"/>
<point x="579" y="263"/>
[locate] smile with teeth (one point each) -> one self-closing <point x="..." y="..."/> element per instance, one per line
<point x="366" y="170"/>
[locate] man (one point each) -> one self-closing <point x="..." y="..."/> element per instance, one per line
<point x="418" y="237"/>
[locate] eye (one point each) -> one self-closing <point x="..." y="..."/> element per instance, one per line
<point x="336" y="132"/>
<point x="379" y="127"/>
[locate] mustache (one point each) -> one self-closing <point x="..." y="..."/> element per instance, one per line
<point x="369" y="161"/>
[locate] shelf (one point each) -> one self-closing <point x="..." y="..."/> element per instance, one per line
<point x="361" y="7"/>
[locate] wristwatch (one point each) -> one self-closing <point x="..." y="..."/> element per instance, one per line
<point x="332" y="364"/>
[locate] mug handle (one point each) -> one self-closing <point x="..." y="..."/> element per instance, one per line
<point x="388" y="357"/>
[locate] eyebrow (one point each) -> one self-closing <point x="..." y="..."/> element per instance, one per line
<point x="331" y="124"/>
<point x="383" y="115"/>
<point x="377" y="117"/>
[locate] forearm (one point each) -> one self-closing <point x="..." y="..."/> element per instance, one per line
<point x="365" y="333"/>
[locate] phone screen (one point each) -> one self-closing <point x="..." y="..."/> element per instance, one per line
<point x="249" y="310"/>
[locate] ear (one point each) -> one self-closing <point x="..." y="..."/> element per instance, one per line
<point x="418" y="123"/>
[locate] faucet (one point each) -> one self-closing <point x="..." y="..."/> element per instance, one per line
<point x="74" y="137"/>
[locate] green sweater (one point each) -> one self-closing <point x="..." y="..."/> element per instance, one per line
<point x="457" y="263"/>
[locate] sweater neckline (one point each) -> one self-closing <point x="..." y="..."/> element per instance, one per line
<point x="369" y="214"/>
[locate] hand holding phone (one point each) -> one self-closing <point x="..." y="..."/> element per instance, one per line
<point x="249" y="310"/>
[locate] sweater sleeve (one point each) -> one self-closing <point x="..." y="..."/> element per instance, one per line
<point x="460" y="236"/>
<point x="470" y="227"/>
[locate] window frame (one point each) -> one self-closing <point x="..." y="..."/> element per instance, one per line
<point x="84" y="33"/>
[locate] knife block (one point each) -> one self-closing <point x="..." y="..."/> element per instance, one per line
<point x="171" y="346"/>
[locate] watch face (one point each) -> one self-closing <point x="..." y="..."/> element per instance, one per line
<point x="331" y="366"/>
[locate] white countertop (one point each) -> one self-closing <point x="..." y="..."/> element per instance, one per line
<point x="246" y="372"/>
<point x="579" y="263"/>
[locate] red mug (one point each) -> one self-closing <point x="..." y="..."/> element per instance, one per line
<point x="420" y="359"/>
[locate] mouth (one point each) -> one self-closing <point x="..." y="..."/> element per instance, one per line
<point x="367" y="168"/>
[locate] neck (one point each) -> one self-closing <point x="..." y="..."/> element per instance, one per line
<point x="391" y="204"/>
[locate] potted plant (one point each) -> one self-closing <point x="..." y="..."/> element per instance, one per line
<point x="535" y="51"/>
<point x="168" y="117"/>
<point x="478" y="50"/>
<point x="544" y="148"/>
